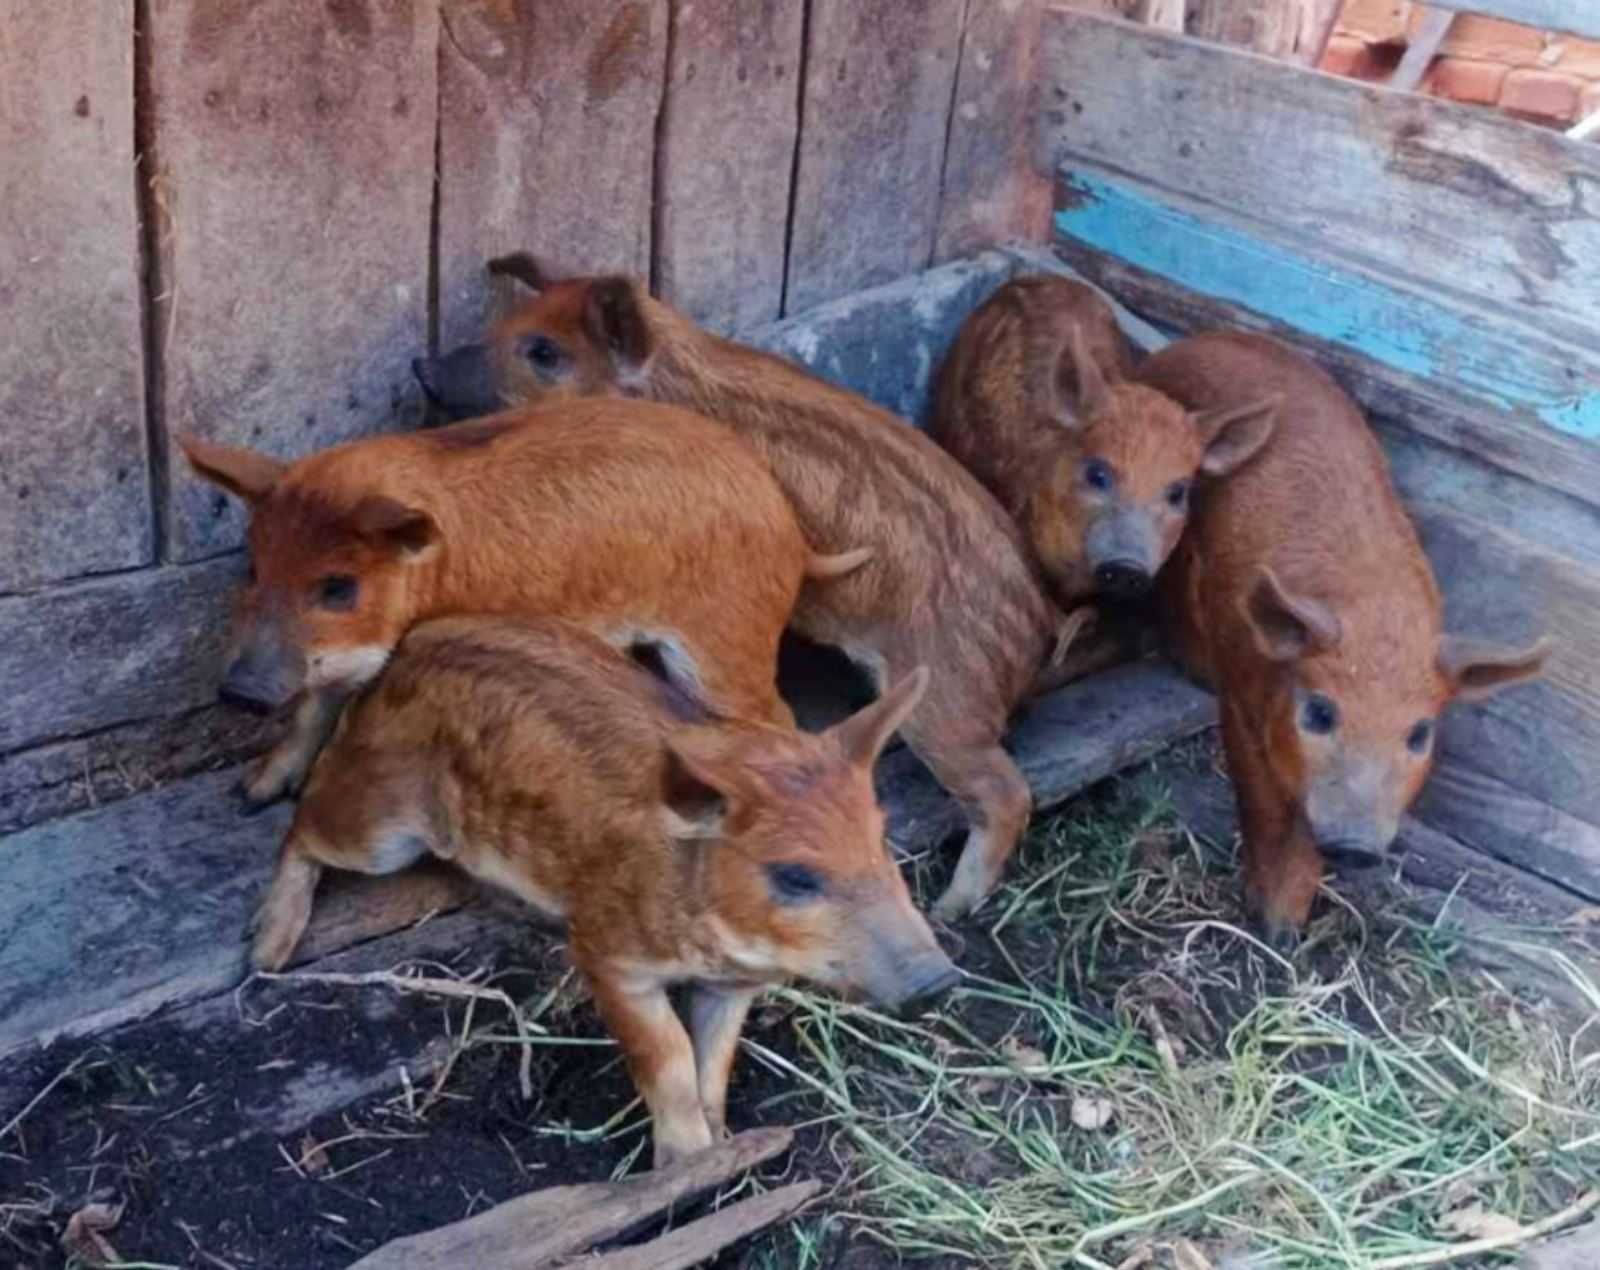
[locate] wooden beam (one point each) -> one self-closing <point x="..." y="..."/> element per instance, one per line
<point x="1421" y="50"/>
<point x="1471" y="204"/>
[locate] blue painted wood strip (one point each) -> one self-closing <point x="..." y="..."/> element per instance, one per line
<point x="1401" y="329"/>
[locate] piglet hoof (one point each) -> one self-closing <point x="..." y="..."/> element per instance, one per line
<point x="957" y="902"/>
<point x="1282" y="937"/>
<point x="670" y="1153"/>
<point x="260" y="786"/>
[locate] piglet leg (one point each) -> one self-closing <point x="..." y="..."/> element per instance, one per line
<point x="660" y="1058"/>
<point x="283" y="769"/>
<point x="1282" y="866"/>
<point x="716" y="1017"/>
<point x="284" y="912"/>
<point x="996" y="798"/>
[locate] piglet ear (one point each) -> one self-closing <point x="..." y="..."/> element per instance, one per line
<point x="863" y="735"/>
<point x="1477" y="670"/>
<point x="614" y="319"/>
<point x="526" y="268"/>
<point x="387" y="521"/>
<point x="1077" y="366"/>
<point x="1233" y="435"/>
<point x="246" y="474"/>
<point x="695" y="793"/>
<point x="1286" y="626"/>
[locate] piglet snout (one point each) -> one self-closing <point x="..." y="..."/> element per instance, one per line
<point x="257" y="685"/>
<point x="1123" y="578"/>
<point x="1353" y="853"/>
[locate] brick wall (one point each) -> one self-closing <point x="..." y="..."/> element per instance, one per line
<point x="1545" y="77"/>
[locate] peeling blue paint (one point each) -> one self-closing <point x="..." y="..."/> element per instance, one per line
<point x="1398" y="328"/>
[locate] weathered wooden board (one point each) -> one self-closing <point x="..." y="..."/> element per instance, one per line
<point x="293" y="173"/>
<point x="1542" y="740"/>
<point x="1445" y="869"/>
<point x="1064" y="743"/>
<point x="886" y="342"/>
<point x="879" y="81"/>
<point x="1581" y="17"/>
<point x="63" y="777"/>
<point x="1476" y="204"/>
<point x="112" y="650"/>
<point x="547" y="121"/>
<point x="74" y="470"/>
<point x="990" y="191"/>
<point x="275" y="1084"/>
<point x="725" y="158"/>
<point x="1438" y="408"/>
<point x="1412" y="329"/>
<point x="107" y="916"/>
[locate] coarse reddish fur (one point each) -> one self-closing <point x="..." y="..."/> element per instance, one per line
<point x="646" y="523"/>
<point x="1034" y="399"/>
<point x="540" y="760"/>
<point x="1301" y="577"/>
<point x="950" y="584"/>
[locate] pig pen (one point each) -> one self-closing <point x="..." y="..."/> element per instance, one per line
<point x="245" y="224"/>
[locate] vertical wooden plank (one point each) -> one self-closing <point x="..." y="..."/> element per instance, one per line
<point x="74" y="471"/>
<point x="546" y="139"/>
<point x="725" y="158"/>
<point x="991" y="189"/>
<point x="1271" y="27"/>
<point x="878" y="92"/>
<point x="294" y="174"/>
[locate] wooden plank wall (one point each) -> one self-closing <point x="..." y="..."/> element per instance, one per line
<point x="1441" y="261"/>
<point x="244" y="220"/>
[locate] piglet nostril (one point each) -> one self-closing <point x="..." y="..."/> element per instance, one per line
<point x="1122" y="577"/>
<point x="1352" y="855"/>
<point x="931" y="981"/>
<point x="246" y="696"/>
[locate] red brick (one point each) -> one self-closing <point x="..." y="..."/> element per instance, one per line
<point x="1492" y="40"/>
<point x="1375" y="21"/>
<point x="1542" y="96"/>
<point x="1458" y="79"/>
<point x="1572" y="56"/>
<point x="1353" y="59"/>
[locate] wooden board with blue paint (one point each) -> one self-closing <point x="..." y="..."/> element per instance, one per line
<point x="1581" y="17"/>
<point x="1470" y="204"/>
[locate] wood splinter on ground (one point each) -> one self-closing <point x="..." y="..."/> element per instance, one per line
<point x="546" y="1229"/>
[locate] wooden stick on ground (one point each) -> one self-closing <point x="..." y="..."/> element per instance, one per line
<point x="536" y="1231"/>
<point x="701" y="1240"/>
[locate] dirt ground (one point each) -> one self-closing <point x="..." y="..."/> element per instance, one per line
<point x="193" y="1130"/>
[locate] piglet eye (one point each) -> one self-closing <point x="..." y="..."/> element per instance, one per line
<point x="794" y="883"/>
<point x="1177" y="494"/>
<point x="337" y="591"/>
<point x="1097" y="474"/>
<point x="1319" y="716"/>
<point x="1418" y="738"/>
<point x="543" y="353"/>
